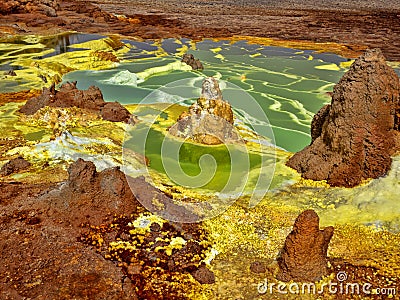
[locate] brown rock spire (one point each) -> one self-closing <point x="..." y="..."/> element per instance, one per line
<point x="303" y="257"/>
<point x="355" y="136"/>
<point x="209" y="120"/>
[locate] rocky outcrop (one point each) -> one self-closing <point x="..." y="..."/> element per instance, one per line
<point x="10" y="72"/>
<point x="97" y="194"/>
<point x="258" y="267"/>
<point x="355" y="136"/>
<point x="111" y="192"/>
<point x="203" y="275"/>
<point x="53" y="215"/>
<point x="208" y="121"/>
<point x="69" y="96"/>
<point x="80" y="237"/>
<point x="14" y="165"/>
<point x="46" y="7"/>
<point x="81" y="175"/>
<point x="191" y="61"/>
<point x="106" y="56"/>
<point x="304" y="255"/>
<point x="115" y="112"/>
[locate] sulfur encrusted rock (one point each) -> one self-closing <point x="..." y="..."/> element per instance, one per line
<point x="70" y="96"/>
<point x="209" y="120"/>
<point x="190" y="60"/>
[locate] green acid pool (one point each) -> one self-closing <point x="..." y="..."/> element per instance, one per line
<point x="290" y="85"/>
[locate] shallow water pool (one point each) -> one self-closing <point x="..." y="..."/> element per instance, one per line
<point x="290" y="85"/>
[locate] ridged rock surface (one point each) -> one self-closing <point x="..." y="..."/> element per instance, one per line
<point x="304" y="255"/>
<point x="190" y="60"/>
<point x="47" y="7"/>
<point x="355" y="136"/>
<point x="14" y="165"/>
<point x="69" y="96"/>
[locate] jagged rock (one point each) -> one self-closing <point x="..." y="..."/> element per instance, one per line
<point x="82" y="175"/>
<point x="46" y="7"/>
<point x="115" y="112"/>
<point x="106" y="56"/>
<point x="193" y="62"/>
<point x="46" y="10"/>
<point x="355" y="136"/>
<point x="91" y="194"/>
<point x="209" y="120"/>
<point x="113" y="183"/>
<point x="10" y="73"/>
<point x="14" y="165"/>
<point x="304" y="255"/>
<point x="318" y="120"/>
<point x="69" y="96"/>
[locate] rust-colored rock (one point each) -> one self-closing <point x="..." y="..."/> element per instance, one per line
<point x="115" y="112"/>
<point x="17" y="96"/>
<point x="10" y="72"/>
<point x="111" y="192"/>
<point x="14" y="165"/>
<point x="106" y="56"/>
<point x="318" y="120"/>
<point x="98" y="194"/>
<point x="258" y="267"/>
<point x="46" y="7"/>
<point x="47" y="219"/>
<point x="151" y="197"/>
<point x="69" y="96"/>
<point x="209" y="120"/>
<point x="66" y="229"/>
<point x="304" y="255"/>
<point x="81" y="175"/>
<point x="355" y="136"/>
<point x="190" y="60"/>
<point x="203" y="275"/>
